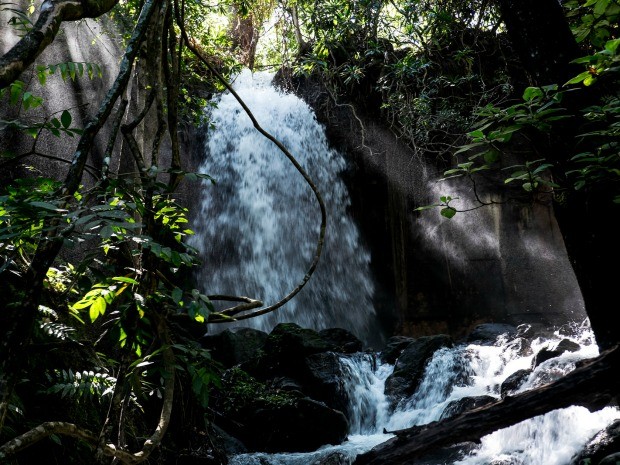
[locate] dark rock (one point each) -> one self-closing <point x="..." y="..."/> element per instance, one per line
<point x="597" y="450"/>
<point x="566" y="345"/>
<point x="459" y="406"/>
<point x="409" y="367"/>
<point x="335" y="458"/>
<point x="449" y="454"/>
<point x="324" y="380"/>
<point x="303" y="426"/>
<point x="225" y="442"/>
<point x="284" y="383"/>
<point x="394" y="347"/>
<point x="544" y="354"/>
<point x="487" y="333"/>
<point x="521" y="346"/>
<point x="613" y="459"/>
<point x="341" y="340"/>
<point x="514" y="382"/>
<point x="189" y="459"/>
<point x="288" y="344"/>
<point x="234" y="346"/>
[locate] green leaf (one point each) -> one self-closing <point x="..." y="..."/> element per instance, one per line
<point x="97" y="308"/>
<point x="125" y="279"/>
<point x="65" y="119"/>
<point x="106" y="232"/>
<point x="531" y="93"/>
<point x="448" y="212"/>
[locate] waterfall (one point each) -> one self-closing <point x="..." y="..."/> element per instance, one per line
<point x="256" y="232"/>
<point x="257" y="227"/>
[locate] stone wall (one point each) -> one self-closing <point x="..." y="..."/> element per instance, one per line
<point x="500" y="263"/>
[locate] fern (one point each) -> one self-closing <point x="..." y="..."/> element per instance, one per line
<point x="81" y="385"/>
<point x="58" y="331"/>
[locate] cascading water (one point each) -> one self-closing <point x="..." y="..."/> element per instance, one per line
<point x="258" y="227"/>
<point x="256" y="234"/>
<point x="466" y="370"/>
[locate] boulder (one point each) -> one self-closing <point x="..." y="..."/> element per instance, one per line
<point x="287" y="346"/>
<point x="392" y="350"/>
<point x="341" y="340"/>
<point x="613" y="459"/>
<point x="597" y="450"/>
<point x="546" y="353"/>
<point x="335" y="458"/>
<point x="514" y="382"/>
<point x="487" y="333"/>
<point x="409" y="367"/>
<point x="324" y="380"/>
<point x="446" y="455"/>
<point x="303" y="426"/>
<point x="235" y="346"/>
<point x="459" y="406"/>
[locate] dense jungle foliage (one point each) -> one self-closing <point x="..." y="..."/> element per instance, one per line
<point x="100" y="354"/>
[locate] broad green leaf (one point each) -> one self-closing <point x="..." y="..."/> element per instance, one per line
<point x="65" y="119"/>
<point x="448" y="212"/>
<point x="125" y="279"/>
<point x="531" y="93"/>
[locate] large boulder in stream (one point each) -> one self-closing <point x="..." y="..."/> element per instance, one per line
<point x="235" y="346"/>
<point x="487" y="333"/>
<point x="324" y="380"/>
<point x="393" y="348"/>
<point x="456" y="407"/>
<point x="514" y="382"/>
<point x="410" y="365"/>
<point x="302" y="426"/>
<point x="341" y="340"/>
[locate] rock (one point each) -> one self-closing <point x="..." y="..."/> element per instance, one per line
<point x="566" y="345"/>
<point x="597" y="450"/>
<point x="393" y="348"/>
<point x="449" y="454"/>
<point x="521" y="346"/>
<point x="287" y="346"/>
<point x="303" y="426"/>
<point x="235" y="346"/>
<point x="514" y="382"/>
<point x="487" y="333"/>
<point x="335" y="458"/>
<point x="459" y="406"/>
<point x="546" y="353"/>
<point x="225" y="442"/>
<point x="341" y="340"/>
<point x="409" y="367"/>
<point x="324" y="380"/>
<point x="613" y="459"/>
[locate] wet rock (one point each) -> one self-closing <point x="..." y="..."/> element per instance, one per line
<point x="514" y="382"/>
<point x="487" y="333"/>
<point x="521" y="346"/>
<point x="394" y="347"/>
<point x="410" y="365"/>
<point x="464" y="404"/>
<point x="613" y="459"/>
<point x="447" y="455"/>
<point x="234" y="346"/>
<point x="323" y="380"/>
<point x="302" y="426"/>
<point x="546" y="353"/>
<point x="288" y="344"/>
<point x="335" y="458"/>
<point x="341" y="340"/>
<point x="225" y="442"/>
<point x="600" y="447"/>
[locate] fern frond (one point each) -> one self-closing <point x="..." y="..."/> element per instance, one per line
<point x="81" y="385"/>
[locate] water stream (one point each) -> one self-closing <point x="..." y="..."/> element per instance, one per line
<point x="259" y="226"/>
<point x="257" y="234"/>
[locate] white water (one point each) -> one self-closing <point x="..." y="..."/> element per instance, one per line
<point x="259" y="224"/>
<point x="266" y="220"/>
<point x="452" y="374"/>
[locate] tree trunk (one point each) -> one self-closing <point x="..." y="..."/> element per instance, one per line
<point x="541" y="36"/>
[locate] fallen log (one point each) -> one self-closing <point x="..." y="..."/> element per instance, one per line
<point x="594" y="385"/>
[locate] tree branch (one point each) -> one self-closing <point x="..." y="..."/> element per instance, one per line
<point x="52" y="14"/>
